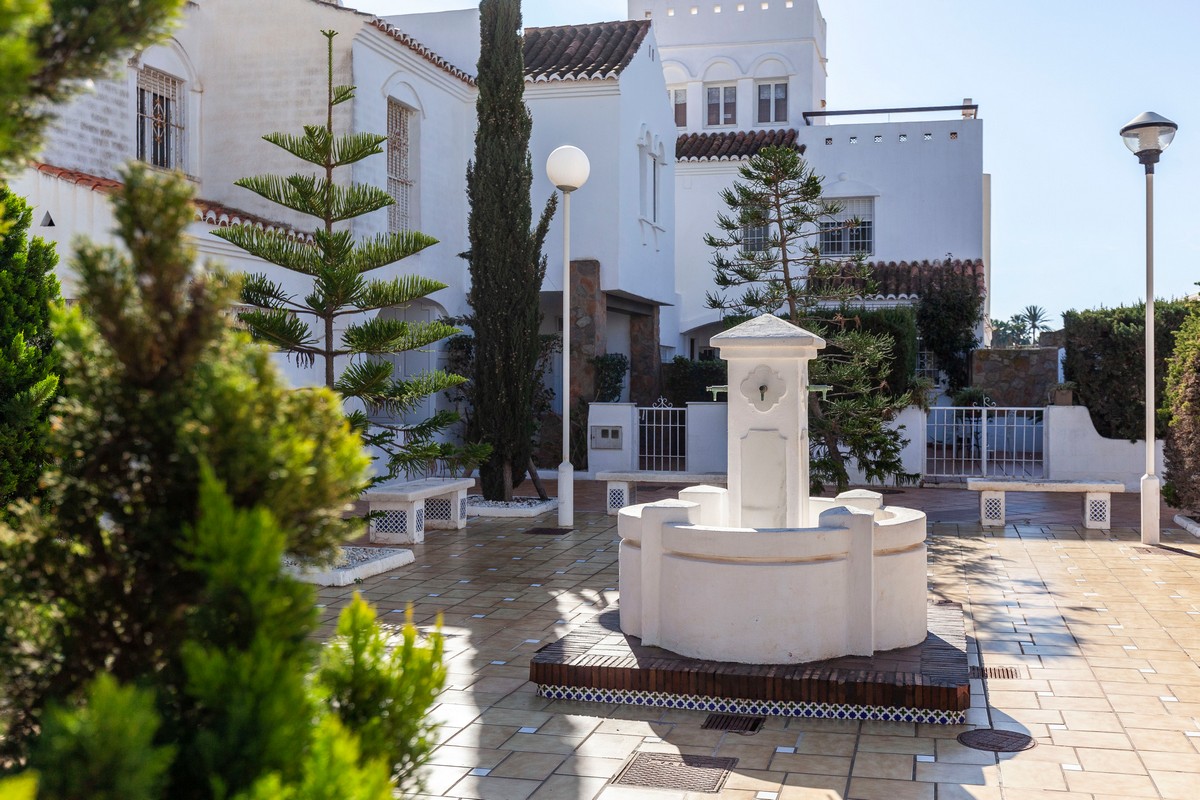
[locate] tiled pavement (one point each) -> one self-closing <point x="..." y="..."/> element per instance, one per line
<point x="1106" y="636"/>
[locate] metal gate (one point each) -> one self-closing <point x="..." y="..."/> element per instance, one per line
<point x="662" y="437"/>
<point x="983" y="442"/>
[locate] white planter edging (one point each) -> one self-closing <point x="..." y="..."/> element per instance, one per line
<point x="1188" y="524"/>
<point x="361" y="562"/>
<point x="520" y="507"/>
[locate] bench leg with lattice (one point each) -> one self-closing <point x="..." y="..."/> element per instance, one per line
<point x="1097" y="510"/>
<point x="398" y="523"/>
<point x="447" y="512"/>
<point x="991" y="509"/>
<point x="618" y="495"/>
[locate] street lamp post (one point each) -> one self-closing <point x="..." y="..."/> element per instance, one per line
<point x="568" y="169"/>
<point x="1147" y="136"/>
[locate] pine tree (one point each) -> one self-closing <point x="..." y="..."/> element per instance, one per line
<point x="778" y="199"/>
<point x="48" y="49"/>
<point x="337" y="265"/>
<point x="28" y="289"/>
<point x="186" y="470"/>
<point x="505" y="257"/>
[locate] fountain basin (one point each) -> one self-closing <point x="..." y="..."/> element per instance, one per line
<point x="853" y="584"/>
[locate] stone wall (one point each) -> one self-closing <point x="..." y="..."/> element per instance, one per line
<point x="589" y="324"/>
<point x="1020" y="376"/>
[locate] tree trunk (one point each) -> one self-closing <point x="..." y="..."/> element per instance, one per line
<point x="537" y="481"/>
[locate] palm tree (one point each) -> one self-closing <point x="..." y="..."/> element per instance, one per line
<point x="1035" y="320"/>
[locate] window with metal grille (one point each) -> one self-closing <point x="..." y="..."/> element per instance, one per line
<point x="399" y="168"/>
<point x="722" y="105"/>
<point x="679" y="99"/>
<point x="839" y="238"/>
<point x="160" y="128"/>
<point x="755" y="238"/>
<point x="772" y="102"/>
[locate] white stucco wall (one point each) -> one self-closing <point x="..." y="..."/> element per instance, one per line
<point x="607" y="120"/>
<point x="786" y="39"/>
<point x="928" y="196"/>
<point x="441" y="131"/>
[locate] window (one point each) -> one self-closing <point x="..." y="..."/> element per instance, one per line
<point x="160" y="119"/>
<point x="654" y="181"/>
<point x="772" y="102"/>
<point x="679" y="99"/>
<point x="722" y="105"/>
<point x="839" y="239"/>
<point x="651" y="160"/>
<point x="755" y="238"/>
<point x="399" y="172"/>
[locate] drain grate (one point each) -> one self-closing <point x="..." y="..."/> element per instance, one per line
<point x="996" y="741"/>
<point x="672" y="771"/>
<point x="999" y="673"/>
<point x="548" y="531"/>
<point x="737" y="723"/>
<point x="1146" y="550"/>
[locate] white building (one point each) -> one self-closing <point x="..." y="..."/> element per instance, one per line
<point x="741" y="76"/>
<point x="666" y="104"/>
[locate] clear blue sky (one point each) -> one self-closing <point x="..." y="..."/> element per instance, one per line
<point x="1055" y="82"/>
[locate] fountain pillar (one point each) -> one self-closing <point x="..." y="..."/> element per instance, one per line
<point x="768" y="421"/>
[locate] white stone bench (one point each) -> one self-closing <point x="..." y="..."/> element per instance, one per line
<point x="409" y="508"/>
<point x="622" y="486"/>
<point x="1097" y="502"/>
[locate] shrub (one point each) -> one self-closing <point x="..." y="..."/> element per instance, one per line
<point x="898" y="323"/>
<point x="1106" y="357"/>
<point x="610" y="376"/>
<point x="951" y="305"/>
<point x="1182" y="446"/>
<point x="686" y="381"/>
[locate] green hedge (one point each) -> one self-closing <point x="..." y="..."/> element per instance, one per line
<point x="684" y="381"/>
<point x="899" y="323"/>
<point x="1106" y="359"/>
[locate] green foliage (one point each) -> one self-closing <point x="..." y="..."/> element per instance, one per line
<point x="1106" y="357"/>
<point x="899" y="324"/>
<point x="950" y="307"/>
<point x="372" y="690"/>
<point x="686" y="381"/>
<point x="48" y="49"/>
<point x="155" y="383"/>
<point x="610" y="376"/>
<point x="461" y="360"/>
<point x="28" y="381"/>
<point x="304" y="327"/>
<point x="141" y="570"/>
<point x="504" y="259"/>
<point x="972" y="397"/>
<point x="19" y="787"/>
<point x="105" y="749"/>
<point x="777" y="189"/>
<point x="1010" y="333"/>
<point x="1182" y="447"/>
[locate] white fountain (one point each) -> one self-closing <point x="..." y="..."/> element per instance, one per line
<point x="760" y="573"/>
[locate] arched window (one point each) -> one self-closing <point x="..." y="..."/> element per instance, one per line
<point x="401" y="184"/>
<point x="161" y="120"/>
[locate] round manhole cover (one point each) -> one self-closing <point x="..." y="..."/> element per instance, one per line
<point x="997" y="741"/>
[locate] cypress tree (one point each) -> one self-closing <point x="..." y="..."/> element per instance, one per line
<point x="28" y="288"/>
<point x="505" y="257"/>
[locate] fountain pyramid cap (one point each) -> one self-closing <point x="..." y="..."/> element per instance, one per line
<point x="768" y="330"/>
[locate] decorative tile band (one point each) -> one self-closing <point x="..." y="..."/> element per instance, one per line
<point x="779" y="708"/>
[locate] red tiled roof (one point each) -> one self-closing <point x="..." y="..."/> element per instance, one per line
<point x="907" y="279"/>
<point x="93" y="182"/>
<point x="420" y="49"/>
<point x="211" y="213"/>
<point x="731" y="145"/>
<point x="582" y="52"/>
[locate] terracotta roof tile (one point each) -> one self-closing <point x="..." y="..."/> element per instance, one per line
<point x="420" y="49"/>
<point x="211" y="213"/>
<point x="731" y="145"/>
<point x="582" y="52"/>
<point x="907" y="279"/>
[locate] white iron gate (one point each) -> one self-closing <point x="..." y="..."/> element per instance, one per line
<point x="662" y="437"/>
<point x="982" y="442"/>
